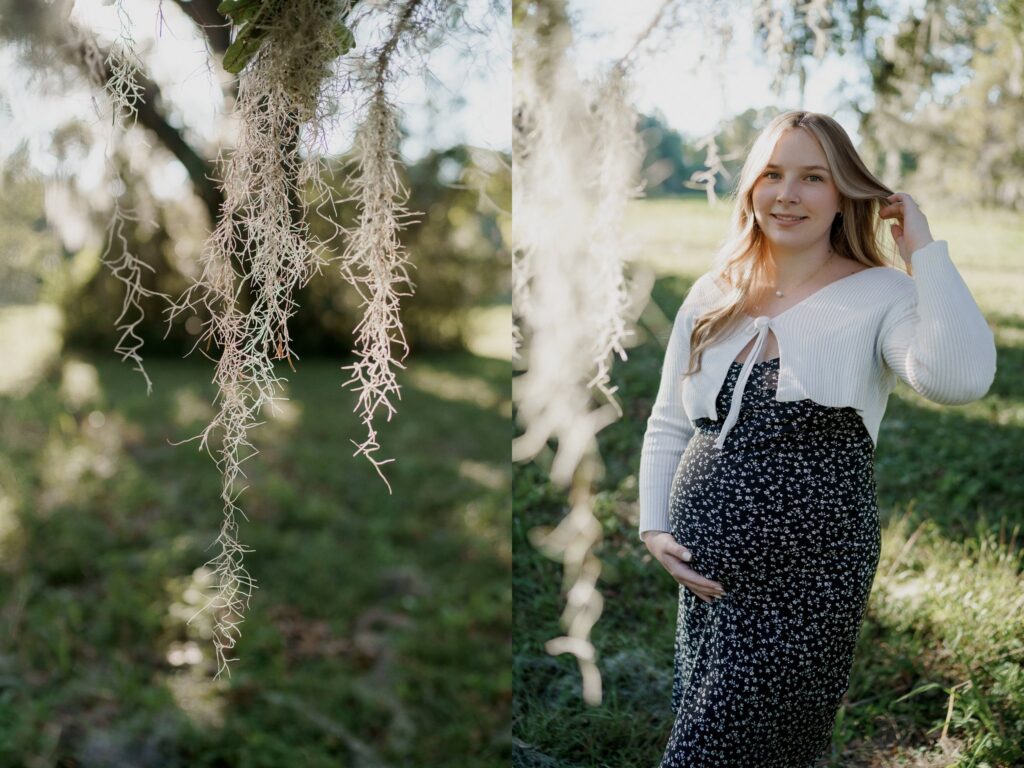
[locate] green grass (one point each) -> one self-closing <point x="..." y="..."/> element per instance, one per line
<point x="945" y="622"/>
<point x="379" y="632"/>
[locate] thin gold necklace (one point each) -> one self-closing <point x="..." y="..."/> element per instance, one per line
<point x="826" y="261"/>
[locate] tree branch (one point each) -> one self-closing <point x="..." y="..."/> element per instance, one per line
<point x="150" y="116"/>
<point x="216" y="28"/>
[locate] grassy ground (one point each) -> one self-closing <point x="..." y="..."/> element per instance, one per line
<point x="937" y="679"/>
<point x="379" y="632"/>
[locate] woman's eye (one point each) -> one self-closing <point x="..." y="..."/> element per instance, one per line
<point x="771" y="173"/>
<point x="812" y="176"/>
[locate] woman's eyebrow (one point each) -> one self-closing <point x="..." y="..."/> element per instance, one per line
<point x="804" y="168"/>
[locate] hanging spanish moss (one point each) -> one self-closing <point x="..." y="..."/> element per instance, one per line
<point x="707" y="177"/>
<point x="122" y="67"/>
<point x="116" y="74"/>
<point x="127" y="269"/>
<point x="782" y="25"/>
<point x="374" y="261"/>
<point x="576" y="163"/>
<point x="261" y="249"/>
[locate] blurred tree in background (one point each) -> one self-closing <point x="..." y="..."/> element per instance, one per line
<point x="672" y="159"/>
<point x="948" y="112"/>
<point x="52" y="227"/>
<point x="940" y="104"/>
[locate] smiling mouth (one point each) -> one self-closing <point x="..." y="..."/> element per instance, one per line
<point x="787" y="218"/>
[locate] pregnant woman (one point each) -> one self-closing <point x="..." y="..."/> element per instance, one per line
<point x="757" y="490"/>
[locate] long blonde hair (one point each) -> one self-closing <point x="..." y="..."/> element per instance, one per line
<point x="743" y="259"/>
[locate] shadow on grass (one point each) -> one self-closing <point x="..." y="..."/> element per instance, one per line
<point x="922" y="644"/>
<point x="379" y="632"/>
<point x="958" y="465"/>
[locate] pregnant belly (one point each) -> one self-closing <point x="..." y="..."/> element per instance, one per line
<point x="753" y="514"/>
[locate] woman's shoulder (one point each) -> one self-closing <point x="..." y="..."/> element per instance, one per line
<point x="891" y="280"/>
<point x="703" y="292"/>
<point x="702" y="281"/>
<point x="701" y="295"/>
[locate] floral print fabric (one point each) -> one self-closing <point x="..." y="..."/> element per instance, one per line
<point x="785" y="518"/>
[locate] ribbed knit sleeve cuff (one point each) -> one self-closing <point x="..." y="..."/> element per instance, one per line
<point x="661" y="524"/>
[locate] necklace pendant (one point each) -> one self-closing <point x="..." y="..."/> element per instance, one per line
<point x="778" y="293"/>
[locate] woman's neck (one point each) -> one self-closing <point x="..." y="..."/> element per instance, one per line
<point x="792" y="267"/>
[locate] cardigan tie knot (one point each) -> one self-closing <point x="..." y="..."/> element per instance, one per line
<point x="762" y="325"/>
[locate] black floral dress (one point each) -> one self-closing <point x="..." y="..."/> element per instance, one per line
<point x="785" y="518"/>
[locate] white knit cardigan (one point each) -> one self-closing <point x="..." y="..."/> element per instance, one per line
<point x="843" y="345"/>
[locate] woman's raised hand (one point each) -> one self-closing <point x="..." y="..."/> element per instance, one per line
<point x="673" y="557"/>
<point x="910" y="230"/>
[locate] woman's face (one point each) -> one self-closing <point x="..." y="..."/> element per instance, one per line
<point x="795" y="199"/>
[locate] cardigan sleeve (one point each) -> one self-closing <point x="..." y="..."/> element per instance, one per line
<point x="935" y="337"/>
<point x="668" y="429"/>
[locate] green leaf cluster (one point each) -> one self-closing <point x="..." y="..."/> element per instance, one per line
<point x="247" y="15"/>
<point x="253" y="17"/>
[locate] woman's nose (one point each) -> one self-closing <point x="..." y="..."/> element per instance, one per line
<point x="787" y="192"/>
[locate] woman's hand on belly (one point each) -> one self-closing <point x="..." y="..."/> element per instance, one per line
<point x="673" y="556"/>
